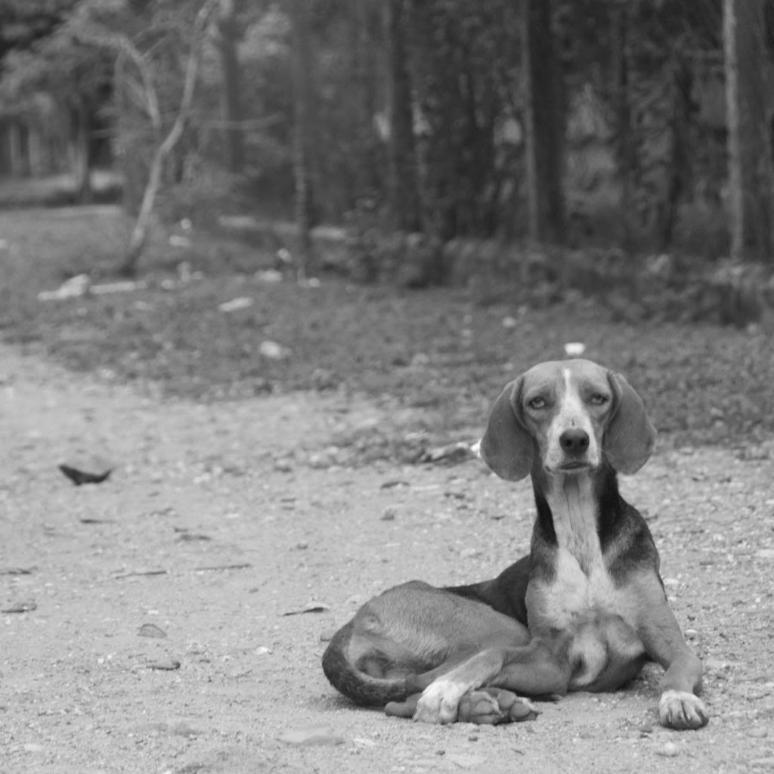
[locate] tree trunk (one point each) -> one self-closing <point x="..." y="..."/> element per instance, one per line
<point x="544" y="124"/>
<point x="404" y="185"/>
<point x="302" y="133"/>
<point x="18" y="137"/>
<point x="129" y="148"/>
<point x="143" y="223"/>
<point x="626" y="156"/>
<point x="749" y="153"/>
<point x="228" y="28"/>
<point x="369" y="174"/>
<point x="679" y="162"/>
<point x="81" y="122"/>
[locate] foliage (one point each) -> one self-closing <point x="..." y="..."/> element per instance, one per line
<point x="446" y="350"/>
<point x="27" y="21"/>
<point x="643" y="99"/>
<point x="464" y="60"/>
<point x="57" y="64"/>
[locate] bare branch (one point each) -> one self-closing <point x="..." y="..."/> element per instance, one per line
<point x="140" y="231"/>
<point x="123" y="44"/>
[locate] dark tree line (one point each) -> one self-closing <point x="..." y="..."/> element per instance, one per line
<point x="643" y="123"/>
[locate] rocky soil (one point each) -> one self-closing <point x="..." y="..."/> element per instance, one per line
<point x="172" y="618"/>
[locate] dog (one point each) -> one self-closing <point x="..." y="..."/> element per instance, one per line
<point x="584" y="610"/>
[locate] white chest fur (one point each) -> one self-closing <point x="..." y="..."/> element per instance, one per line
<point x="582" y="587"/>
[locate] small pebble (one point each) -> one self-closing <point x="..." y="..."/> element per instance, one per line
<point x="311" y="737"/>
<point x="389" y="513"/>
<point x="669" y="750"/>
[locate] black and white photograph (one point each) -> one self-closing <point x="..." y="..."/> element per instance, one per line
<point x="386" y="386"/>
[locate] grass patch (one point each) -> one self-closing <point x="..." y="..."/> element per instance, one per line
<point x="445" y="351"/>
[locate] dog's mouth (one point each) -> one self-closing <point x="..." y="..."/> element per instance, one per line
<point x="573" y="466"/>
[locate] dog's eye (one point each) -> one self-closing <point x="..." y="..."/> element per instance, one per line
<point x="598" y="399"/>
<point x="537" y="403"/>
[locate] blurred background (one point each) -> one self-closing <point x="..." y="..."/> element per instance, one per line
<point x="229" y="197"/>
<point x="640" y="124"/>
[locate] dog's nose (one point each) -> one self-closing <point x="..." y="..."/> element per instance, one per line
<point x="574" y="441"/>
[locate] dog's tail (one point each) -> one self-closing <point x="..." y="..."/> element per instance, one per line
<point x="357" y="684"/>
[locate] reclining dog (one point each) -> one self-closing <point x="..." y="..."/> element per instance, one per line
<point x="584" y="610"/>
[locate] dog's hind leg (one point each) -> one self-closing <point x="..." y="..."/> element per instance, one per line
<point x="531" y="669"/>
<point x="403" y="709"/>
<point x="493" y="706"/>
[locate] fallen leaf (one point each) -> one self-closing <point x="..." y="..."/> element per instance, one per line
<point x="151" y="630"/>
<point x="242" y="302"/>
<point x="133" y="573"/>
<point x="311" y="607"/>
<point x="192" y="537"/>
<point x="393" y="483"/>
<point x="79" y="477"/>
<point x="450" y="453"/>
<point x="465" y="761"/>
<point x="164" y="665"/>
<point x="73" y="288"/>
<point x="21" y="607"/>
<point x="216" y="567"/>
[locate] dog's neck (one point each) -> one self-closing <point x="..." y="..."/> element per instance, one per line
<point x="577" y="512"/>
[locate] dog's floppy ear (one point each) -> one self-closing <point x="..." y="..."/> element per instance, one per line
<point x="507" y="447"/>
<point x="630" y="436"/>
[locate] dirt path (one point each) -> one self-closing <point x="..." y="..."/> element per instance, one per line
<point x="219" y="520"/>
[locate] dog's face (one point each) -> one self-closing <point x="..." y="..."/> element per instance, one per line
<point x="565" y="408"/>
<point x="567" y="416"/>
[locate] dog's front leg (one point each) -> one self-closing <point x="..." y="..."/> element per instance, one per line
<point x="440" y="701"/>
<point x="679" y="707"/>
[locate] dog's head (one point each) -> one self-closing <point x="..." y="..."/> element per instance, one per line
<point x="567" y="416"/>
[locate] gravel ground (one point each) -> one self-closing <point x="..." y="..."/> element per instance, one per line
<point x="147" y="625"/>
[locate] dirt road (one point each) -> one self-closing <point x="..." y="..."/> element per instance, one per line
<point x="147" y="620"/>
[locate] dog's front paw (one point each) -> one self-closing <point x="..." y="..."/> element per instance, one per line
<point x="491" y="706"/>
<point x="682" y="710"/>
<point x="439" y="702"/>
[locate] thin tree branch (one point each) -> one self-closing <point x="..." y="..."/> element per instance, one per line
<point x="140" y="230"/>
